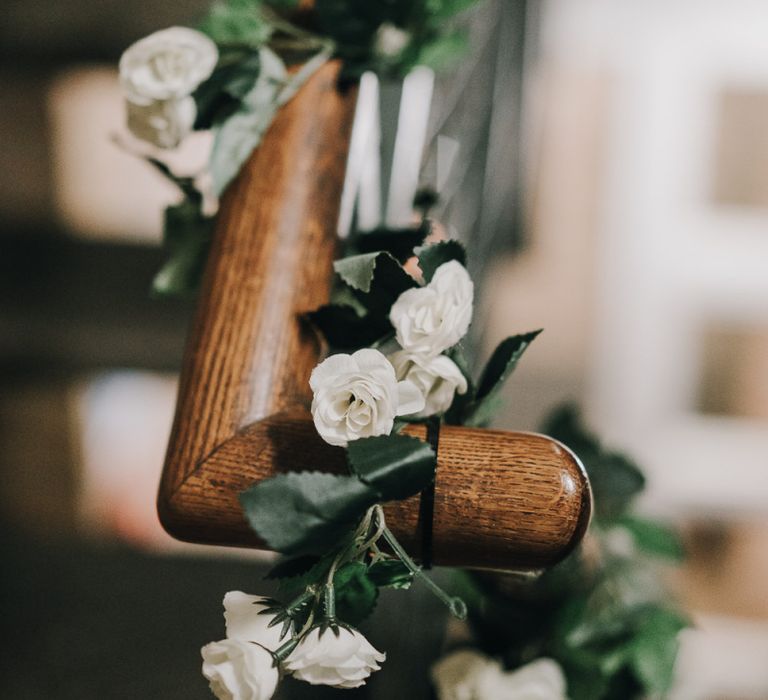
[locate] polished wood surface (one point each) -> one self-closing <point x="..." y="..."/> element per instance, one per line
<point x="502" y="500"/>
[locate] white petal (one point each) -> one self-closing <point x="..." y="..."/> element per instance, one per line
<point x="410" y="399"/>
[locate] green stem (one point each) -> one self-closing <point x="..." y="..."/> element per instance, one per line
<point x="455" y="604"/>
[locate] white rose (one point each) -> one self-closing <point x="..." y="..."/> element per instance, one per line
<point x="164" y="123"/>
<point x="358" y="396"/>
<point x="438" y="379"/>
<point x="238" y="670"/>
<point x="247" y="622"/>
<point x="469" y="675"/>
<point x="342" y="658"/>
<point x="167" y="65"/>
<point x="431" y="319"/>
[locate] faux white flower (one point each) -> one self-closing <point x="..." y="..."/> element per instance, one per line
<point x="438" y="379"/>
<point x="238" y="670"/>
<point x="163" y="123"/>
<point x="343" y="658"/>
<point x="245" y="621"/>
<point x="431" y="319"/>
<point x="358" y="396"/>
<point x="167" y="65"/>
<point x="469" y="675"/>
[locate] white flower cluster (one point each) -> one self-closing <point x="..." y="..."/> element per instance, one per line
<point x="158" y="75"/>
<point x="244" y="666"/>
<point x="469" y="675"/>
<point x="359" y="395"/>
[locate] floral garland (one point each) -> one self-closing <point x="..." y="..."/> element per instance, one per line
<point x="399" y="313"/>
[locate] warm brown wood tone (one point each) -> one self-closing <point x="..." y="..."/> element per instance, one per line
<point x="503" y="500"/>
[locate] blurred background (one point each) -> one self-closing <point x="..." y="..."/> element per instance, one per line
<point x="607" y="163"/>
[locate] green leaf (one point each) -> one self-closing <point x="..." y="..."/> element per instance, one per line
<point x="654" y="538"/>
<point x="654" y="649"/>
<point x="345" y="329"/>
<point x="433" y="255"/>
<point x="398" y="242"/>
<point x="444" y="9"/>
<point x="356" y="594"/>
<point x="221" y="95"/>
<point x="300" y="513"/>
<point x="377" y="277"/>
<point x="498" y="369"/>
<point x="444" y="51"/>
<point x="187" y="236"/>
<point x="390" y="573"/>
<point x="241" y="133"/>
<point x="397" y="466"/>
<point x="238" y="22"/>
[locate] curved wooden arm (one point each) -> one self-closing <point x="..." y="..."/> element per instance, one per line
<point x="503" y="500"/>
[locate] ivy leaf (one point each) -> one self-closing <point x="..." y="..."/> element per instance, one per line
<point x="345" y="329"/>
<point x="390" y="573"/>
<point x="655" y="647"/>
<point x="242" y="132"/>
<point x="187" y="237"/>
<point x="654" y="538"/>
<point x="397" y="466"/>
<point x="356" y="594"/>
<point x="500" y="366"/>
<point x="378" y="278"/>
<point x="300" y="513"/>
<point x="398" y="242"/>
<point x="433" y="255"/>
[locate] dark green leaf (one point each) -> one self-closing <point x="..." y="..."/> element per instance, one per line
<point x="299" y="513"/>
<point x="377" y="277"/>
<point x="398" y="242"/>
<point x="655" y="647"/>
<point x="397" y="466"/>
<point x="220" y="96"/>
<point x="499" y="368"/>
<point x="433" y="255"/>
<point x="345" y="329"/>
<point x="356" y="594"/>
<point x="187" y="235"/>
<point x="654" y="538"/>
<point x="390" y="573"/>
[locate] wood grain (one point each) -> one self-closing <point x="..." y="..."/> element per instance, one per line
<point x="503" y="500"/>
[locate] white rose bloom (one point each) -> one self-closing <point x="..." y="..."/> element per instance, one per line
<point x="163" y="123"/>
<point x="245" y="622"/>
<point x="433" y="318"/>
<point x="342" y="659"/>
<point x="238" y="670"/>
<point x="358" y="396"/>
<point x="438" y="379"/>
<point x="469" y="675"/>
<point x="167" y="65"/>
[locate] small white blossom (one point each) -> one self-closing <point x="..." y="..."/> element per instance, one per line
<point x="433" y="318"/>
<point x="358" y="396"/>
<point x="167" y="65"/>
<point x="438" y="379"/>
<point x="341" y="658"/>
<point x="158" y="75"/>
<point x="390" y="40"/>
<point x="469" y="675"/>
<point x="163" y="123"/>
<point x="238" y="670"/>
<point x="246" y="622"/>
